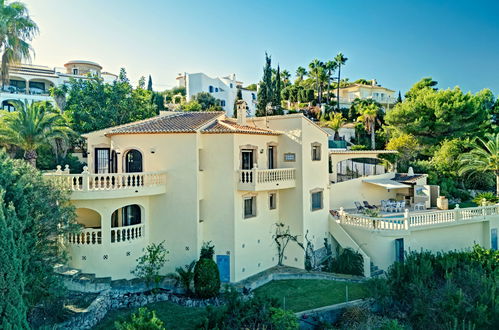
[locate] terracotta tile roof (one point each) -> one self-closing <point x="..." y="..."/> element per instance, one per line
<point x="228" y="126"/>
<point x="182" y="122"/>
<point x="404" y="177"/>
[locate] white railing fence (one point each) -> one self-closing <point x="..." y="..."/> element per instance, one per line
<point x="408" y="220"/>
<point x="87" y="236"/>
<point x="127" y="233"/>
<point x="266" y="176"/>
<point x="87" y="181"/>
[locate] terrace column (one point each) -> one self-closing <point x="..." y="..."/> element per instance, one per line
<point x="406" y="219"/>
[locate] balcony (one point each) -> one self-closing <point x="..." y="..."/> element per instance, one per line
<point x="261" y="180"/>
<point x="109" y="185"/>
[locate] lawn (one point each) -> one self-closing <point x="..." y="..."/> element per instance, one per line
<point x="174" y="316"/>
<point x="301" y="295"/>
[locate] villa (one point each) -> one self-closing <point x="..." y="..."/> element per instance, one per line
<point x="190" y="177"/>
<point x="384" y="96"/>
<point x="224" y="88"/>
<point x="33" y="82"/>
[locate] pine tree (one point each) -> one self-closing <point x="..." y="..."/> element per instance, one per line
<point x="277" y="92"/>
<point x="265" y="89"/>
<point x="12" y="305"/>
<point x="239" y="96"/>
<point x="149" y="84"/>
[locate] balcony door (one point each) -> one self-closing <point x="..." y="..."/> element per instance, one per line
<point x="102" y="160"/>
<point x="271" y="157"/>
<point x="133" y="161"/>
<point x="247" y="159"/>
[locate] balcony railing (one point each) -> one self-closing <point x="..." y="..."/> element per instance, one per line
<point x="255" y="180"/>
<point x="409" y="221"/>
<point x="87" y="236"/>
<point x="87" y="182"/>
<point x="127" y="233"/>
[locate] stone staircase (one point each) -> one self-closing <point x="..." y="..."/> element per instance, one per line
<point x="75" y="280"/>
<point x="376" y="271"/>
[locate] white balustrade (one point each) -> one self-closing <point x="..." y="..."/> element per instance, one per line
<point x="266" y="176"/>
<point x="414" y="220"/>
<point x="87" y="236"/>
<point x="109" y="181"/>
<point x="127" y="233"/>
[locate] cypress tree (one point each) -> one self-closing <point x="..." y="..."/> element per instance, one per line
<point x="277" y="92"/>
<point x="399" y="98"/>
<point x="149" y="84"/>
<point x="239" y="96"/>
<point x="12" y="305"/>
<point x="265" y="95"/>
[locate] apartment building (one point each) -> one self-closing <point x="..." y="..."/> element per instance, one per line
<point x="33" y="82"/>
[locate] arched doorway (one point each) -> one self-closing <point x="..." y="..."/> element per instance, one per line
<point x="133" y="161"/>
<point x="126" y="216"/>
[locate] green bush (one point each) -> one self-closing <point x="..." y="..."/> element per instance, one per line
<point x="486" y="198"/>
<point x="206" y="274"/>
<point x="347" y="261"/>
<point x="254" y="313"/>
<point x="432" y="290"/>
<point x="359" y="147"/>
<point x="184" y="276"/>
<point x="143" y="320"/>
<point x="149" y="265"/>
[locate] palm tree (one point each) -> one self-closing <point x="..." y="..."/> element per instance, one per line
<point x="484" y="157"/>
<point x="340" y="60"/>
<point x="17" y="29"/>
<point x="330" y="66"/>
<point x="335" y="122"/>
<point x="368" y="115"/>
<point x="285" y="76"/>
<point x="317" y="72"/>
<point x="301" y="72"/>
<point x="31" y="127"/>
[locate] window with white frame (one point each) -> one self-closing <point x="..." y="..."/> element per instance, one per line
<point x="317" y="200"/>
<point x="249" y="205"/>
<point x="272" y="201"/>
<point x="316" y="151"/>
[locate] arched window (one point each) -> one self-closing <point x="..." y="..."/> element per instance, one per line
<point x="126" y="216"/>
<point x="133" y="161"/>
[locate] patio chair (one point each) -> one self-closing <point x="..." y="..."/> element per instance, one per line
<point x="359" y="207"/>
<point x="369" y="206"/>
<point x="400" y="206"/>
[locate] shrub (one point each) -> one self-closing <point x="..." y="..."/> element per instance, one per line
<point x="206" y="274"/>
<point x="142" y="320"/>
<point x="347" y="261"/>
<point x="359" y="147"/>
<point x="486" y="198"/>
<point x="432" y="290"/>
<point x="150" y="264"/>
<point x="185" y="276"/>
<point x="253" y="313"/>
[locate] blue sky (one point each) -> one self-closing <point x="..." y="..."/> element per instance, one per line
<point x="397" y="42"/>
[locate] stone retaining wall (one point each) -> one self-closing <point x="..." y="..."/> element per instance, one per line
<point x="115" y="299"/>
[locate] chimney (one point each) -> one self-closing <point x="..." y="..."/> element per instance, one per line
<point x="241" y="107"/>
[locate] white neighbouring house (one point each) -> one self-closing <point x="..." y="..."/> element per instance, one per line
<point x="33" y="82"/>
<point x="223" y="88"/>
<point x="384" y="96"/>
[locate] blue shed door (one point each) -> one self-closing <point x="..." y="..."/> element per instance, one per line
<point x="493" y="238"/>
<point x="223" y="263"/>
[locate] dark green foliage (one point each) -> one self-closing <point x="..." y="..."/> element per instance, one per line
<point x="142" y="320"/>
<point x="253" y="313"/>
<point x="149" y="265"/>
<point x="265" y="91"/>
<point x="277" y="92"/>
<point x="12" y="306"/>
<point x="207" y="102"/>
<point x="206" y="274"/>
<point x="149" y="84"/>
<point x="158" y="100"/>
<point x="239" y="96"/>
<point x="92" y="104"/>
<point x="486" y="198"/>
<point x="34" y="214"/>
<point x="346" y="261"/>
<point x="432" y="290"/>
<point x="207" y="250"/>
<point x="185" y="275"/>
<point x="206" y="278"/>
